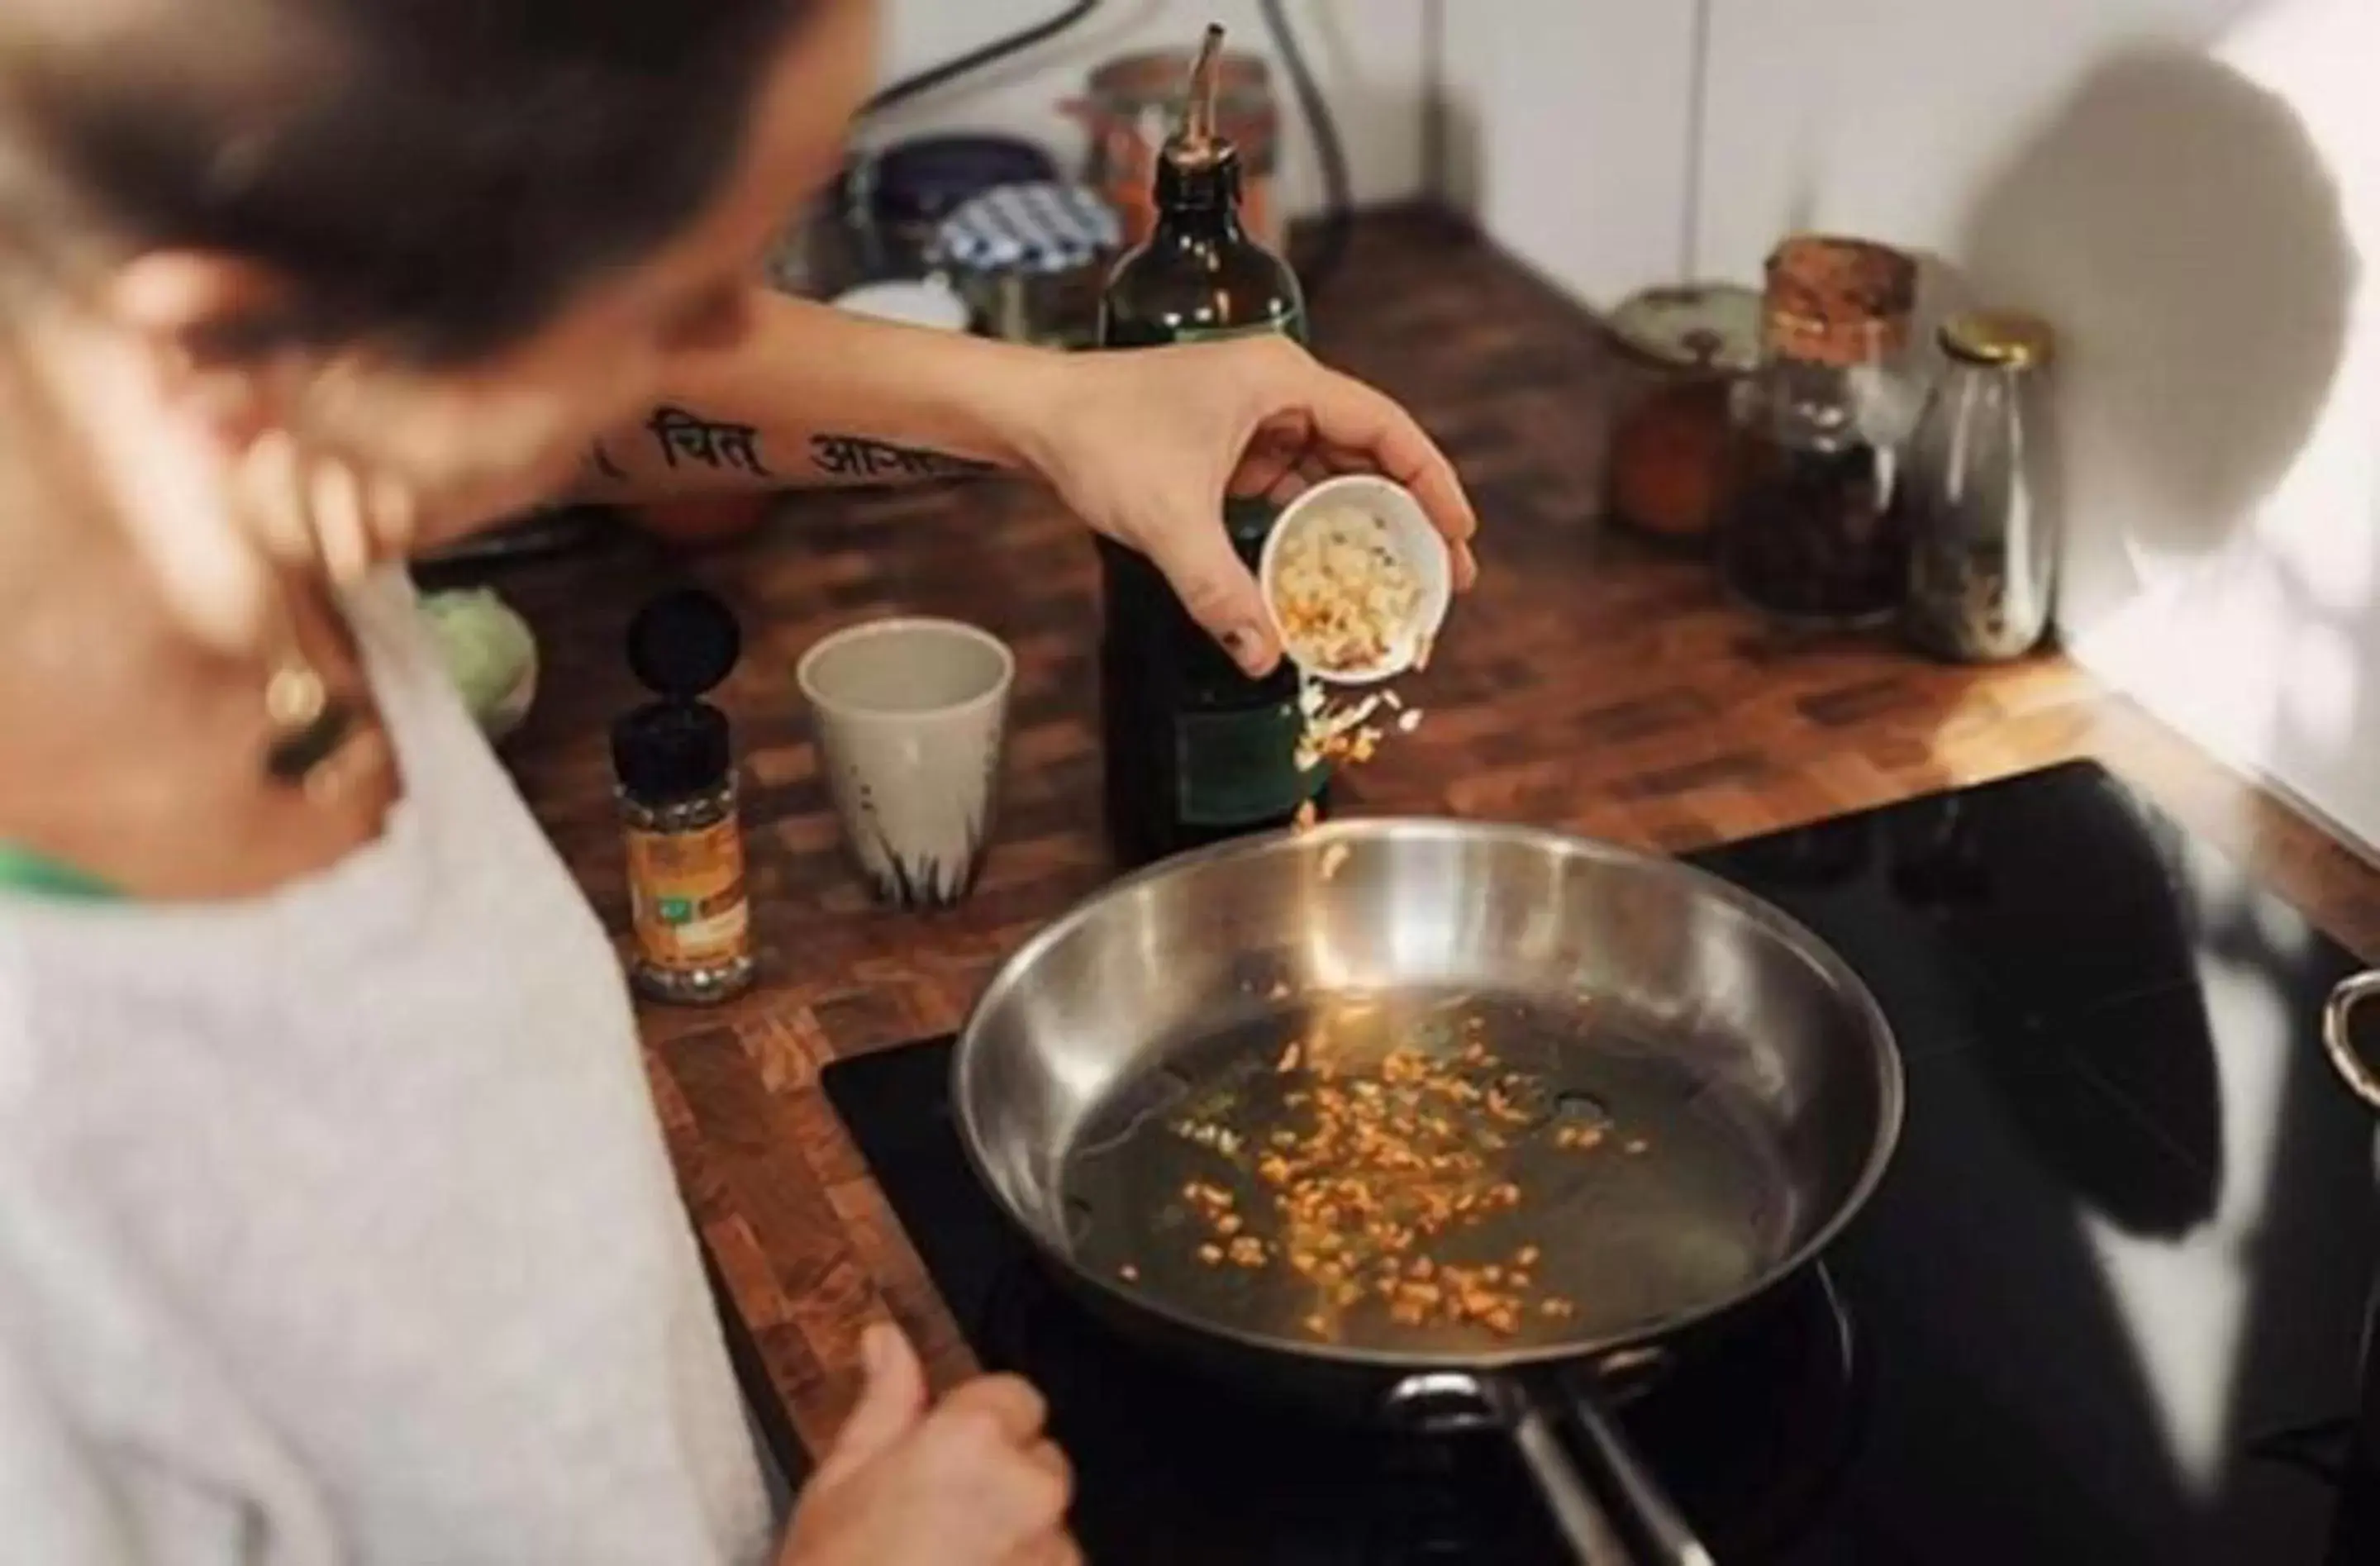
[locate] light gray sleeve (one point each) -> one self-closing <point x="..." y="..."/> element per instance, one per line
<point x="54" y="1504"/>
<point x="79" y="1497"/>
<point x="69" y="1501"/>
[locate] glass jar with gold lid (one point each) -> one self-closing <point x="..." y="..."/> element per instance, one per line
<point x="1983" y="524"/>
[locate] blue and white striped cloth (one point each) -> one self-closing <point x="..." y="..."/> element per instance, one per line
<point x="1040" y="227"/>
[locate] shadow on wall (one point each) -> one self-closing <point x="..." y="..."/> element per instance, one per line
<point x="2182" y="229"/>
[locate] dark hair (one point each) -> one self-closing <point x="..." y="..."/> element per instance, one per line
<point x="436" y="172"/>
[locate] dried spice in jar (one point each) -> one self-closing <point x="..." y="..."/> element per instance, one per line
<point x="675" y="777"/>
<point x="1983" y="561"/>
<point x="1681" y="352"/>
<point x="1812" y="531"/>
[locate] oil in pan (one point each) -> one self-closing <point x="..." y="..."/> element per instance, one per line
<point x="1428" y="1172"/>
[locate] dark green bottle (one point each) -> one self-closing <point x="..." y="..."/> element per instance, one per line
<point x="1194" y="750"/>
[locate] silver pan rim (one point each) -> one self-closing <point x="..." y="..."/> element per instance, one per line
<point x="1892" y="1099"/>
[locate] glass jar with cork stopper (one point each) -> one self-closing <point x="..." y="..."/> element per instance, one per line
<point x="1811" y="532"/>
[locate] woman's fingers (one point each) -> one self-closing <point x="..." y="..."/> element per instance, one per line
<point x="394" y="511"/>
<point x="339" y="514"/>
<point x="1349" y="427"/>
<point x="1354" y="423"/>
<point x="1051" y="1544"/>
<point x="1299" y="477"/>
<point x="983" y="1448"/>
<point x="274" y="498"/>
<point x="314" y="510"/>
<point x="892" y="1402"/>
<point x="1008" y="1403"/>
<point x="1058" y="1549"/>
<point x="1268" y="465"/>
<point x="1045" y="1456"/>
<point x="1195" y="554"/>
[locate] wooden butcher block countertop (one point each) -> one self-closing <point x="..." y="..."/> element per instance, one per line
<point x="1589" y="684"/>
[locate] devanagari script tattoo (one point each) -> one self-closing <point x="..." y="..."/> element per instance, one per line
<point x="708" y="442"/>
<point x="858" y="457"/>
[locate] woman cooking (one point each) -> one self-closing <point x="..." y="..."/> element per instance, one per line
<point x="334" y="1221"/>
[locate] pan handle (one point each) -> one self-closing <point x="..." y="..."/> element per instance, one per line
<point x="1665" y="1528"/>
<point x="2337" y="1013"/>
<point x="1581" y="1518"/>
<point x="1442" y="1403"/>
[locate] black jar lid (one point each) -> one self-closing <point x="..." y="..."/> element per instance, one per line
<point x="667" y="751"/>
<point x="680" y="645"/>
<point x="683" y="643"/>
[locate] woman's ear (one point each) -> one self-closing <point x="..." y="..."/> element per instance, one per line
<point x="222" y="334"/>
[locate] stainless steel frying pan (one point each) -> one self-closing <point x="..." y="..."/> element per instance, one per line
<point x="1742" y="1090"/>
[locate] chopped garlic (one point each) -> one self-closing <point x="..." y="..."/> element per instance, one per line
<point x="1340" y="591"/>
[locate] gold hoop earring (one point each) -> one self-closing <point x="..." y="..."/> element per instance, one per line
<point x="310" y="723"/>
<point x="307" y="722"/>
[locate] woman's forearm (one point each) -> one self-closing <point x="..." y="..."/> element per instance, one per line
<point x="814" y="395"/>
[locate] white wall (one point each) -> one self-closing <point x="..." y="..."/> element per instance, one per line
<point x="1888" y="116"/>
<point x="1369" y="56"/>
<point x="2190" y="189"/>
<point x="2228" y="565"/>
<point x="1567" y="127"/>
<point x="2185" y="188"/>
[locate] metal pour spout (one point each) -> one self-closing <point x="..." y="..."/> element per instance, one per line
<point x="1196" y="141"/>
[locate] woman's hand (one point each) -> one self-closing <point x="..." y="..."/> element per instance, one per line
<point x="1146" y="445"/>
<point x="971" y="1483"/>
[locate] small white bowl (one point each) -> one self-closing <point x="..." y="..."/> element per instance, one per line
<point x="1419" y="544"/>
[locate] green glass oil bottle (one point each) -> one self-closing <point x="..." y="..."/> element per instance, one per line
<point x="1195" y="751"/>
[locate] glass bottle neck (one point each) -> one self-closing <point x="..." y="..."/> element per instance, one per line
<point x="1200" y="203"/>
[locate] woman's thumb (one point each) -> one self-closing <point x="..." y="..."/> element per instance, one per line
<point x="892" y="1401"/>
<point x="1215" y="586"/>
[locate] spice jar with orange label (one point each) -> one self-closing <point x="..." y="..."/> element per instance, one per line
<point x="676" y="775"/>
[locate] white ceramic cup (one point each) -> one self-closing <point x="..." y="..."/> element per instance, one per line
<point x="909" y="715"/>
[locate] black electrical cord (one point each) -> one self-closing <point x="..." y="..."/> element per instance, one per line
<point x="1338" y="199"/>
<point x="998" y="49"/>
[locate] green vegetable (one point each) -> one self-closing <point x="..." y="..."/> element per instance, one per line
<point x="488" y="648"/>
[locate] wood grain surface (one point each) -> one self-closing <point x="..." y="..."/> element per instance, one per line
<point x="1590" y="684"/>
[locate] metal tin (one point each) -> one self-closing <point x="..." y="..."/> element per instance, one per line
<point x="1681" y="349"/>
<point x="1708" y="326"/>
<point x="1031" y="258"/>
<point x="894" y="201"/>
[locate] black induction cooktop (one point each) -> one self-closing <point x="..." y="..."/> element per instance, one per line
<point x="2108" y="1306"/>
